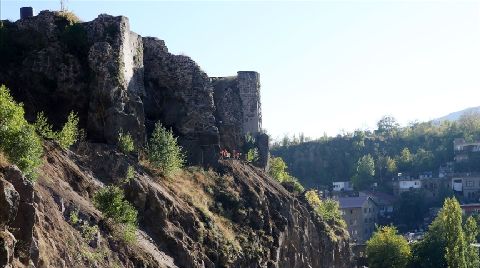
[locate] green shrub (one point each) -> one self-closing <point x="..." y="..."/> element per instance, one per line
<point x="74" y="218"/>
<point x="111" y="202"/>
<point x="130" y="174"/>
<point x="328" y="209"/>
<point x="69" y="133"/>
<point x="18" y="139"/>
<point x="163" y="151"/>
<point x="293" y="183"/>
<point x="43" y="128"/>
<point x="125" y="143"/>
<point x="252" y="155"/>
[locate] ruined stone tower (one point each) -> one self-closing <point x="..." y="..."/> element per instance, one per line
<point x="238" y="112"/>
<point x="249" y="90"/>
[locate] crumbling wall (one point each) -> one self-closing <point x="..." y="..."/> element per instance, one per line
<point x="238" y="112"/>
<point x="179" y="95"/>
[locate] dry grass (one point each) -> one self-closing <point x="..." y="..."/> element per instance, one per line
<point x="190" y="185"/>
<point x="71" y="17"/>
<point x="3" y="160"/>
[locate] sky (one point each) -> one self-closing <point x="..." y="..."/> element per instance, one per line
<point x="325" y="66"/>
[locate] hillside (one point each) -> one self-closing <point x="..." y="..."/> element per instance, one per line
<point x="212" y="213"/>
<point x="456" y="115"/>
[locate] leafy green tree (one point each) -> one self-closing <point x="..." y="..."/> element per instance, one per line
<point x="278" y="169"/>
<point x="18" y="140"/>
<point x="68" y="135"/>
<point x="365" y="172"/>
<point x="410" y="209"/>
<point x="163" y="150"/>
<point x="471" y="232"/>
<point x="405" y="160"/>
<point x="391" y="165"/>
<point x="328" y="209"/>
<point x="455" y="248"/>
<point x="430" y="251"/>
<point x="252" y="155"/>
<point x="111" y="202"/>
<point x="387" y="126"/>
<point x="125" y="142"/>
<point x="386" y="248"/>
<point x="43" y="128"/>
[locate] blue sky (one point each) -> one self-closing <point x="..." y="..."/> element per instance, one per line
<point x="325" y="66"/>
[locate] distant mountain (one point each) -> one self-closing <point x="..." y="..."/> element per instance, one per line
<point x="456" y="115"/>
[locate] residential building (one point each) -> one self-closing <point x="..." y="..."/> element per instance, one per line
<point x="385" y="202"/>
<point x="470" y="209"/>
<point x="401" y="186"/>
<point x="339" y="186"/>
<point x="467" y="185"/>
<point x="361" y="214"/>
<point x="462" y="148"/>
<point x="446" y="170"/>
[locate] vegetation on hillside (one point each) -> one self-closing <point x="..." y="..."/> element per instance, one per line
<point x="416" y="148"/>
<point x="111" y="202"/>
<point x="447" y="243"/>
<point x="278" y="171"/>
<point x="163" y="151"/>
<point x="18" y="140"/>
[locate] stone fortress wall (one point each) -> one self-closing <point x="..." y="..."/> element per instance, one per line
<point x="129" y="83"/>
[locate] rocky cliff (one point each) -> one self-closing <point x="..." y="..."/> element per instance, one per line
<point x="231" y="216"/>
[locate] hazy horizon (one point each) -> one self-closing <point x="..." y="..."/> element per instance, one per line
<point x="324" y="66"/>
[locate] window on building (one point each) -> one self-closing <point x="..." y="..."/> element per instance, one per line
<point x="469" y="183"/>
<point x="364" y="210"/>
<point x="351" y="211"/>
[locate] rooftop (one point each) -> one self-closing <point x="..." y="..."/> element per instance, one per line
<point x="352" y="202"/>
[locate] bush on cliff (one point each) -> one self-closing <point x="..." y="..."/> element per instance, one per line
<point x="278" y="171"/>
<point x="18" y="140"/>
<point x="111" y="202"/>
<point x="43" y="128"/>
<point x="328" y="209"/>
<point x="163" y="151"/>
<point x="66" y="137"/>
<point x="125" y="142"/>
<point x="69" y="133"/>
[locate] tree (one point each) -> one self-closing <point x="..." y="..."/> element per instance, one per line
<point x="455" y="248"/>
<point x="405" y="160"/>
<point x="278" y="169"/>
<point x="391" y="165"/>
<point x="18" y="139"/>
<point x="365" y="172"/>
<point x="471" y="232"/>
<point x="69" y="133"/>
<point x="387" y="249"/>
<point x="125" y="142"/>
<point x="387" y="126"/>
<point x="163" y="150"/>
<point x="410" y="209"/>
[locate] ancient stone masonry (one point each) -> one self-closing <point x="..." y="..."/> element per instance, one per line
<point x="116" y="61"/>
<point x="93" y="68"/>
<point x="179" y="95"/>
<point x="238" y="112"/>
<point x="118" y="81"/>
